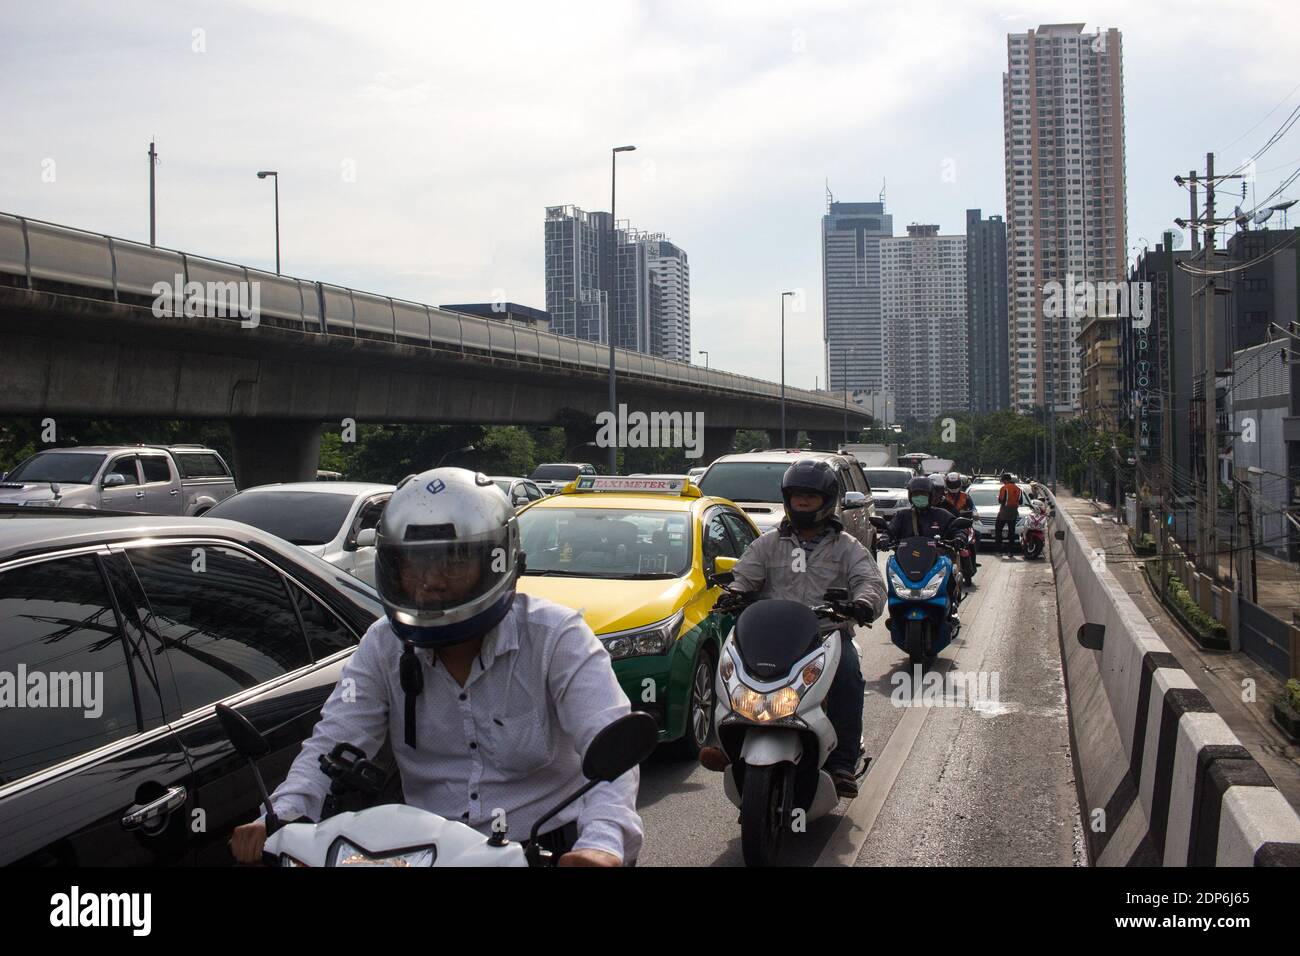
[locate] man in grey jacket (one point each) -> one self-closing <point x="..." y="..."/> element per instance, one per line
<point x="799" y="560"/>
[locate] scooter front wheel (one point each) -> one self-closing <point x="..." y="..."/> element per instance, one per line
<point x="765" y="812"/>
<point x="1033" y="548"/>
<point x="916" y="641"/>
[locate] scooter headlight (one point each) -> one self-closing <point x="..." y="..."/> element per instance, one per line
<point x="344" y="853"/>
<point x="931" y="589"/>
<point x="760" y="707"/>
<point x="899" y="585"/>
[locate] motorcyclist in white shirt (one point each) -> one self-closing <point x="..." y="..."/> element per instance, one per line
<point x="489" y="697"/>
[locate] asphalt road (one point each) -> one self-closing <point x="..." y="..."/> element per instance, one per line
<point x="983" y="782"/>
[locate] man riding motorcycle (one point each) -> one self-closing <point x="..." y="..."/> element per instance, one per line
<point x="927" y="519"/>
<point x="489" y="697"/>
<point x="799" y="560"/>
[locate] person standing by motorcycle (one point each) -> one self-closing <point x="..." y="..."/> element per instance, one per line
<point x="798" y="560"/>
<point x="1008" y="512"/>
<point x="490" y="697"/>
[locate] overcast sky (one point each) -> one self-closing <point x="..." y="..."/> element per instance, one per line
<point x="418" y="143"/>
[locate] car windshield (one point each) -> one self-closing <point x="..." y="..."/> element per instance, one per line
<point x="300" y="517"/>
<point x="73" y="468"/>
<point x="503" y="484"/>
<point x="606" y="542"/>
<point x="745" y="480"/>
<point x="984" y="496"/>
<point x="888" y="477"/>
<point x="555" y="473"/>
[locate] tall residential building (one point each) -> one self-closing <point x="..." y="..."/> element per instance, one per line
<point x="1063" y="125"/>
<point x="588" y="276"/>
<point x="987" y="328"/>
<point x="923" y="309"/>
<point x="851" y="316"/>
<point x="670" y="307"/>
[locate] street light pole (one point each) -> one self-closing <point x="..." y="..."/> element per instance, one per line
<point x="845" y="383"/>
<point x="609" y="310"/>
<point x="783" y="295"/>
<point x="705" y="353"/>
<point x="276" y="176"/>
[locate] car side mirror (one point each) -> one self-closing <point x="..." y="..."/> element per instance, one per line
<point x="366" y="538"/>
<point x="960" y="524"/>
<point x="854" y="499"/>
<point x="114" y="479"/>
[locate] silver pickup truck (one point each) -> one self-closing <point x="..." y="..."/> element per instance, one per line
<point x="148" y="479"/>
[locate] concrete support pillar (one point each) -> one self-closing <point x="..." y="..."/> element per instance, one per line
<point x="268" y="450"/>
<point x="826" y="440"/>
<point x="717" y="442"/>
<point x="774" y="437"/>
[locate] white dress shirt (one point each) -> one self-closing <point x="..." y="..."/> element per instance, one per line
<point x="510" y="740"/>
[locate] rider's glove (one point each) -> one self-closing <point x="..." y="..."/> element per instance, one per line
<point x="730" y="600"/>
<point x="862" y="612"/>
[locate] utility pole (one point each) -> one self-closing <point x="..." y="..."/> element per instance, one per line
<point x="1208" y="507"/>
<point x="153" y="161"/>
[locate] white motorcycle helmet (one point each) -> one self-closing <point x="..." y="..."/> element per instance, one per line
<point x="446" y="557"/>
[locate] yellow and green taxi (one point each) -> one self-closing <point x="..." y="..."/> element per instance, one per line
<point x="634" y="556"/>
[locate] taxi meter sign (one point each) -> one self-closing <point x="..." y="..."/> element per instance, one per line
<point x="672" y="486"/>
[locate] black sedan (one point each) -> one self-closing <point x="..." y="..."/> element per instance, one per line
<point x="118" y="634"/>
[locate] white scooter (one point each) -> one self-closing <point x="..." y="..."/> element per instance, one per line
<point x="774" y="673"/>
<point x="396" y="835"/>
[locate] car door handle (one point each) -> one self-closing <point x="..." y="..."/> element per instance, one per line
<point x="139" y="494"/>
<point x="174" y="491"/>
<point x="155" y="810"/>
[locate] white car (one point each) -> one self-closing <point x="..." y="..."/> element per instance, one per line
<point x="334" y="520"/>
<point x="519" y="491"/>
<point x="889" y="487"/>
<point x="695" y="474"/>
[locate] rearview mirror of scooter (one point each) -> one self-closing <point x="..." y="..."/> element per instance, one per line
<point x="615" y="750"/>
<point x="836" y="594"/>
<point x="960" y="524"/>
<point x="250" y="744"/>
<point x="879" y="522"/>
<point x="720" y="579"/>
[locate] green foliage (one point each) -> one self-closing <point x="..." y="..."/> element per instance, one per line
<point x="1190" y="610"/>
<point x="747" y="438"/>
<point x="1290" y="697"/>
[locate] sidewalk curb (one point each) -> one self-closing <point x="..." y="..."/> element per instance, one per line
<point x="1163" y="780"/>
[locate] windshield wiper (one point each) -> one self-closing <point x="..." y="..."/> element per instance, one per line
<point x="542" y="573"/>
<point x="650" y="576"/>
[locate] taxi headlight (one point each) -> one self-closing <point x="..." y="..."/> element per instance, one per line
<point x="344" y="853"/>
<point x="760" y="707"/>
<point x="646" y="641"/>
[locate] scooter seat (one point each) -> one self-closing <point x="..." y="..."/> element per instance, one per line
<point x="772" y="635"/>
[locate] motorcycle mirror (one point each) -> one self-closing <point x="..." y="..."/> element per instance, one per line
<point x="836" y="594"/>
<point x="879" y="522"/>
<point x="240" y="731"/>
<point x="250" y="744"/>
<point x="960" y="524"/>
<point x="620" y="746"/>
<point x="721" y="579"/>
<point x="615" y="750"/>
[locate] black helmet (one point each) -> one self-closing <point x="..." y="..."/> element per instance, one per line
<point x="920" y="487"/>
<point x="815" y="476"/>
<point x="953" y="481"/>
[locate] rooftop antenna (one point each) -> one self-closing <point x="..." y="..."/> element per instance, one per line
<point x="882" y="192"/>
<point x="829" y="197"/>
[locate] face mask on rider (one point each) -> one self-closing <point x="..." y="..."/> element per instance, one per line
<point x="920" y="501"/>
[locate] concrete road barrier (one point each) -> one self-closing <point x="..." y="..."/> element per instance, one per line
<point x="1162" y="779"/>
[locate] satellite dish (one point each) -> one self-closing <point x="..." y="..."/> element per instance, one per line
<point x="1264" y="214"/>
<point x="1286" y="205"/>
<point x="1176" y="239"/>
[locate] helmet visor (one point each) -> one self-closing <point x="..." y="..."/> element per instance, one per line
<point x="428" y="574"/>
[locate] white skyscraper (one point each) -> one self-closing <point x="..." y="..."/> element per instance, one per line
<point x="670" y="306"/>
<point x="923" y="312"/>
<point x="1063" y="124"/>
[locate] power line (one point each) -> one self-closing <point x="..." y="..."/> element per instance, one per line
<point x="1262" y="119"/>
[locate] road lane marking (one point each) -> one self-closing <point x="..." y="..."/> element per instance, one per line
<point x="856" y="824"/>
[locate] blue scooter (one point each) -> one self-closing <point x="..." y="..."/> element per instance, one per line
<point x="920" y="621"/>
